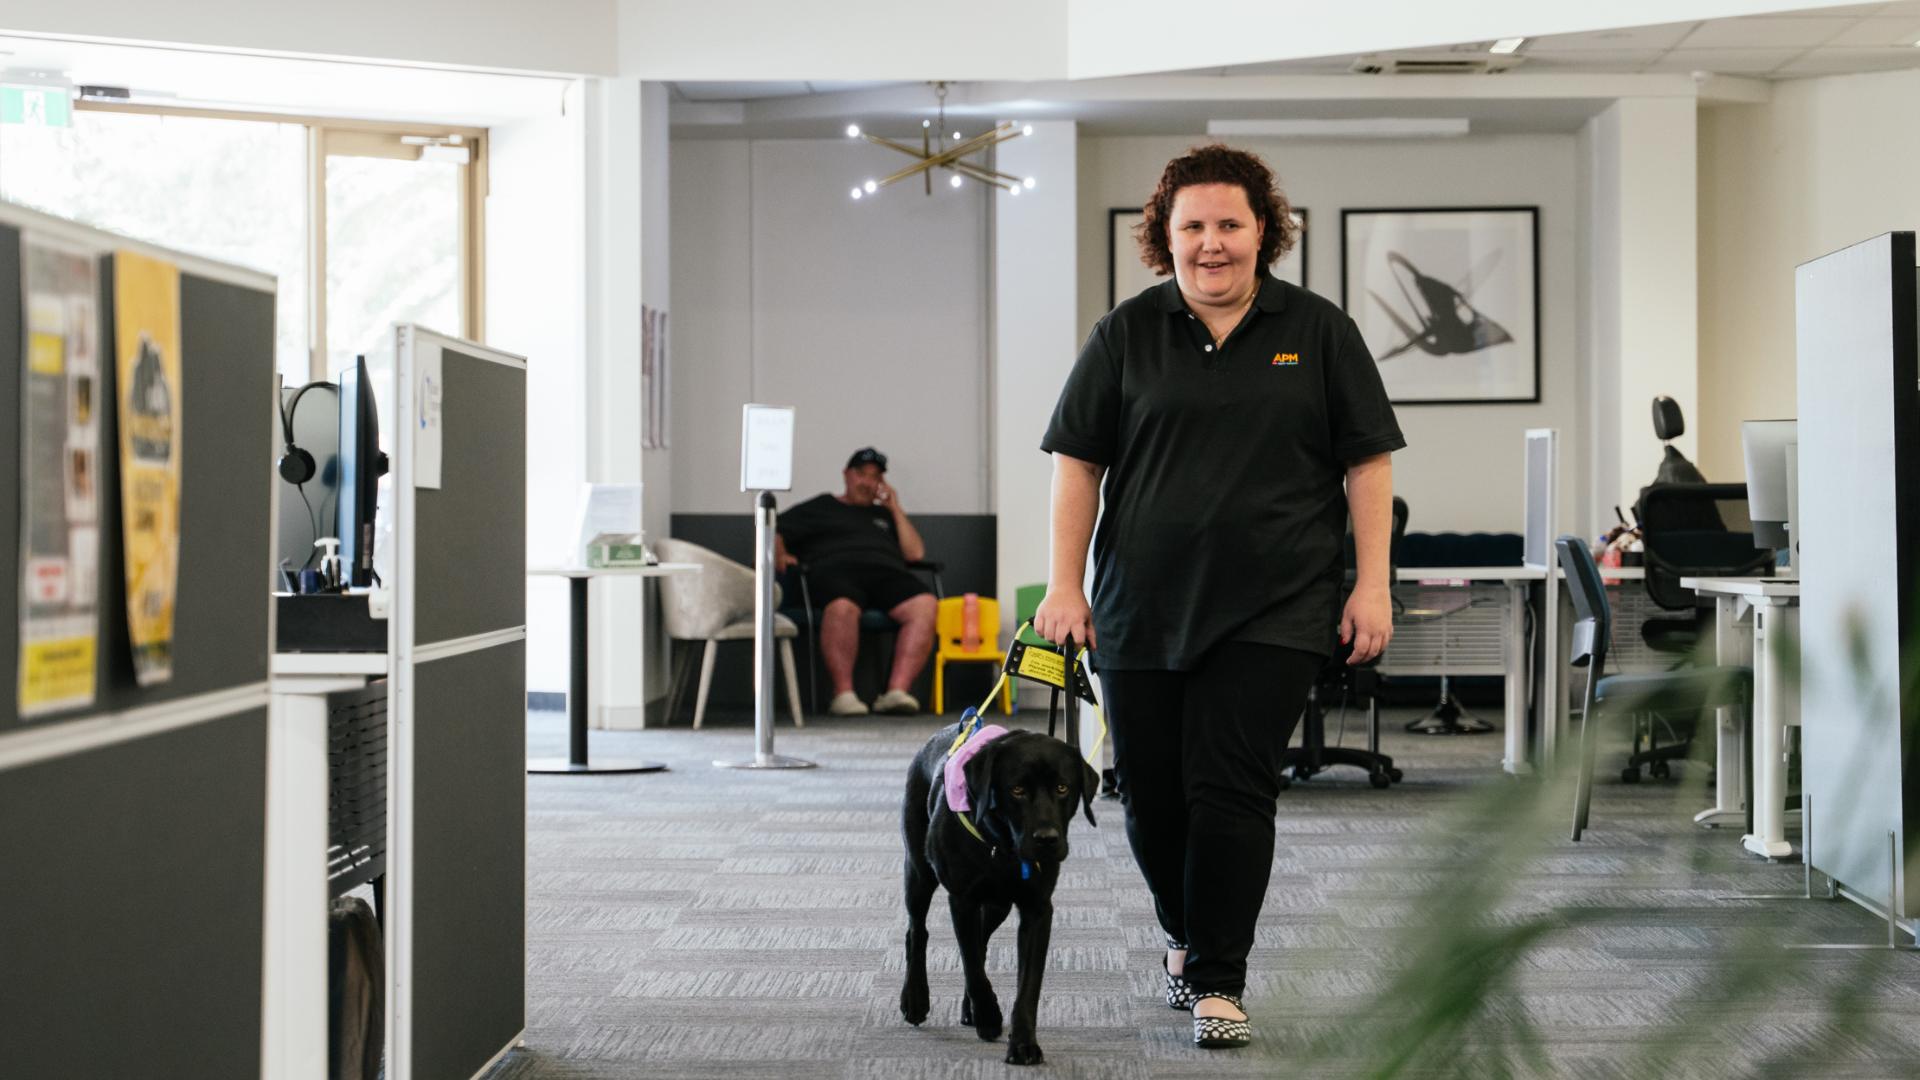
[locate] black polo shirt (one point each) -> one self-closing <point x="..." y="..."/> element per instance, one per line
<point x="1226" y="512"/>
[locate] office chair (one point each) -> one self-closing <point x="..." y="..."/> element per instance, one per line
<point x="1692" y="530"/>
<point x="1639" y="697"/>
<point x="1669" y="425"/>
<point x="873" y="621"/>
<point x="1346" y="683"/>
<point x="708" y="608"/>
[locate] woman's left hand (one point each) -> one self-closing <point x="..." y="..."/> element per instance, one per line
<point x="1367" y="622"/>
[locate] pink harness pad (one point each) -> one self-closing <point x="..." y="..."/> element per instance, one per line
<point x="956" y="776"/>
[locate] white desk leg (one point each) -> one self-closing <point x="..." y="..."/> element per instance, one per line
<point x="1769" y="836"/>
<point x="294" y="994"/>
<point x="1517" y="690"/>
<point x="1731" y="646"/>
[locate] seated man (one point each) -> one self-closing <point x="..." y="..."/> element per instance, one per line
<point x="857" y="546"/>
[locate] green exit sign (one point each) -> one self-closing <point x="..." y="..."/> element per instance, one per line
<point x="36" y="106"/>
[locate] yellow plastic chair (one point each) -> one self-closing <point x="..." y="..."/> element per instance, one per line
<point x="949" y="626"/>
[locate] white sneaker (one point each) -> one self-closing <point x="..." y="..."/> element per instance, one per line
<point x="848" y="704"/>
<point x="896" y="703"/>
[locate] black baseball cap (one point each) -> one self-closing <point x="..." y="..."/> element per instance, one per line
<point x="867" y="455"/>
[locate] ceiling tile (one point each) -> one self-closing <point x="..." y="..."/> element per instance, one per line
<point x="1847" y="61"/>
<point x="1661" y="37"/>
<point x="1591" y="60"/>
<point x="1762" y="33"/>
<point x="1325" y="65"/>
<point x="1843" y="11"/>
<point x="740" y="91"/>
<point x="1879" y="33"/>
<point x="1724" y="61"/>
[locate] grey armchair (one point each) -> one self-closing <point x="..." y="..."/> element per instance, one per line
<point x="713" y="606"/>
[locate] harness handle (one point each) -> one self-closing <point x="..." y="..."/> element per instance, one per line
<point x="1053" y="695"/>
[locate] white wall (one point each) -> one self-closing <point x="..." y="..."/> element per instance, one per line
<point x="843" y="39"/>
<point x="560" y="36"/>
<point x="1462" y="469"/>
<point x="536" y="306"/>
<point x="1643" y="308"/>
<point x="1036" y="337"/>
<point x="1827" y="163"/>
<point x="869" y="317"/>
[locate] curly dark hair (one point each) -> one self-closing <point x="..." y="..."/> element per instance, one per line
<point x="1217" y="164"/>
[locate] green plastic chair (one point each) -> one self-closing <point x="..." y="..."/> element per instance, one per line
<point x="1026" y="601"/>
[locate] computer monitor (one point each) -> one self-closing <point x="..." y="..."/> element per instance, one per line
<point x="362" y="464"/>
<point x="1765" y="443"/>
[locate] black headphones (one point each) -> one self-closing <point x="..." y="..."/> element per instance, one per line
<point x="296" y="465"/>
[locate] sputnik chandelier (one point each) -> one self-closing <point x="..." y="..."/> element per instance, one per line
<point x="937" y="151"/>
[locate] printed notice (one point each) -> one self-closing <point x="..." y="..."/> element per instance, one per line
<point x="146" y="319"/>
<point x="429" y="426"/>
<point x="59" y="475"/>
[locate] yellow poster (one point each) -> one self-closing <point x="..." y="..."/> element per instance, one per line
<point x="146" y="321"/>
<point x="59" y="457"/>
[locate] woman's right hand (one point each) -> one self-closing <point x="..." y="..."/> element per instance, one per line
<point x="1063" y="614"/>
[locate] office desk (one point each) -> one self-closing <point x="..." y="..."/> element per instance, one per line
<point x="294" y="927"/>
<point x="1775" y="608"/>
<point x="1411" y="654"/>
<point x="577" y="578"/>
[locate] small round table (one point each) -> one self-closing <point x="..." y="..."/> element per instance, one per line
<point x="577" y="577"/>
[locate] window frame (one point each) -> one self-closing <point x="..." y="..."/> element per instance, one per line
<point x="362" y="138"/>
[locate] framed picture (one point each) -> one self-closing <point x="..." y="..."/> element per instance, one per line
<point x="1127" y="275"/>
<point x="1448" y="300"/>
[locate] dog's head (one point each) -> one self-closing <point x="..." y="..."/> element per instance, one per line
<point x="1025" y="787"/>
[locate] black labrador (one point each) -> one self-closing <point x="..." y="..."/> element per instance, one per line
<point x="1023" y="787"/>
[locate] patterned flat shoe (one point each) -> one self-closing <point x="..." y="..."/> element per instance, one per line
<point x="1218" y="1033"/>
<point x="1179" y="992"/>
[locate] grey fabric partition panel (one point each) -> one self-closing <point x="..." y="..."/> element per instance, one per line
<point x="467" y="786"/>
<point x="12" y="340"/>
<point x="220" y="611"/>
<point x="132" y="898"/>
<point x="1859" y="412"/>
<point x="132" y="872"/>
<point x="472" y="535"/>
<point x="470" y="814"/>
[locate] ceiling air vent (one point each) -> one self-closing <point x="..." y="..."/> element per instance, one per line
<point x="1482" y="64"/>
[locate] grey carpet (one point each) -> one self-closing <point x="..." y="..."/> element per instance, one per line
<point x="716" y="923"/>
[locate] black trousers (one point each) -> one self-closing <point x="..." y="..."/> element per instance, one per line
<point x="1197" y="760"/>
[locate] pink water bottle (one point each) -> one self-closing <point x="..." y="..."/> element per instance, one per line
<point x="970" y="622"/>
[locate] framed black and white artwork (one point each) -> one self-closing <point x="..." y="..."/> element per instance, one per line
<point x="1127" y="275"/>
<point x="1448" y="300"/>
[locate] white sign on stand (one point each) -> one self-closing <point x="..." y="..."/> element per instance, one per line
<point x="766" y="448"/>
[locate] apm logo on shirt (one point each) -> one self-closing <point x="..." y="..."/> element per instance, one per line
<point x="1285" y="359"/>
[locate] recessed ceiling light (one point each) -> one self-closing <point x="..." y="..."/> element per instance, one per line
<point x="1507" y="45"/>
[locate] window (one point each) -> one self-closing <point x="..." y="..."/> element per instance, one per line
<point x="388" y="222"/>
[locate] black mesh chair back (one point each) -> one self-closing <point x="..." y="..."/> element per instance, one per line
<point x="1695" y="530"/>
<point x="1592" y="633"/>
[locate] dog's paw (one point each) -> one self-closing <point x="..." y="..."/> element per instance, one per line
<point x="914" y="1002"/>
<point x="1024" y="1053"/>
<point x="984" y="1020"/>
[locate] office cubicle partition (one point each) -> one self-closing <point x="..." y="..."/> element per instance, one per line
<point x="457" y="936"/>
<point x="132" y="830"/>
<point x="1859" y="541"/>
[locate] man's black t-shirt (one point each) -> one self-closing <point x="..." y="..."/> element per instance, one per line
<point x="1226" y="512"/>
<point x="825" y="532"/>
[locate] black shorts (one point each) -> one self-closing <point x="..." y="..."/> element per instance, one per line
<point x="882" y="587"/>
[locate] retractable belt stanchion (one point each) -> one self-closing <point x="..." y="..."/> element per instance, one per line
<point x="763" y="570"/>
